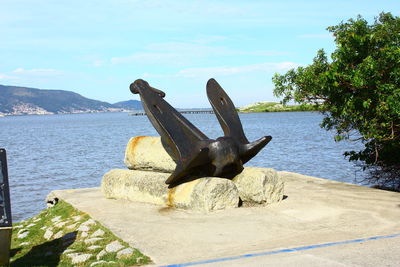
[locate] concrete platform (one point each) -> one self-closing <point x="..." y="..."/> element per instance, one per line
<point x="320" y="223"/>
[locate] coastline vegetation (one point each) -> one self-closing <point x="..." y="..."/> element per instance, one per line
<point x="277" y="107"/>
<point x="32" y="246"/>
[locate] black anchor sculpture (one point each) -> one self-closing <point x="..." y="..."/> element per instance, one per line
<point x="193" y="152"/>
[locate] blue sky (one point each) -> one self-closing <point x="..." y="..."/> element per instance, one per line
<point x="97" y="48"/>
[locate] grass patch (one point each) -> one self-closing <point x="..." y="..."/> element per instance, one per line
<point x="276" y="107"/>
<point x="62" y="223"/>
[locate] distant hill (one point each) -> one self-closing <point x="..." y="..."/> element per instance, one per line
<point x="15" y="100"/>
<point x="129" y="105"/>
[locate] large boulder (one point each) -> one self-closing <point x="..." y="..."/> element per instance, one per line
<point x="147" y="153"/>
<point x="142" y="186"/>
<point x="259" y="185"/>
<point x="204" y="194"/>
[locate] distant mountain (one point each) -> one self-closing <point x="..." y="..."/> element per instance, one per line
<point x="15" y="100"/>
<point x="129" y="105"/>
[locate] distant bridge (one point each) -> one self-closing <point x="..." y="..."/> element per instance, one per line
<point x="180" y="111"/>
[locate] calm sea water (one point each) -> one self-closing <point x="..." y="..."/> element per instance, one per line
<point x="74" y="151"/>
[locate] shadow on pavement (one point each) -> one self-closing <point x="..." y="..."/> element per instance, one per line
<point x="46" y="254"/>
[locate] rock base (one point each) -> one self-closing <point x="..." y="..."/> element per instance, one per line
<point x="204" y="194"/>
<point x="259" y="186"/>
<point x="150" y="165"/>
<point x="147" y="153"/>
<point x="252" y="186"/>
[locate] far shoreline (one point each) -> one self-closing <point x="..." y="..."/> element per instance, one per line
<point x="259" y="107"/>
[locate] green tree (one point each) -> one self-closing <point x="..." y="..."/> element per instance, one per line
<point x="359" y="89"/>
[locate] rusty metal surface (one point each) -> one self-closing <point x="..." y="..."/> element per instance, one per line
<point x="194" y="153"/>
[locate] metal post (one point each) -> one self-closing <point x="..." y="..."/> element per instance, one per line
<point x="5" y="211"/>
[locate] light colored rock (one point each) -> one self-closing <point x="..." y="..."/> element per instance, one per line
<point x="59" y="234"/>
<point x="24" y="244"/>
<point x="17" y="226"/>
<point x="92" y="240"/>
<point x="98" y="232"/>
<point x="102" y="263"/>
<point x="147" y="153"/>
<point x="48" y="234"/>
<point x="23" y="234"/>
<point x="43" y="227"/>
<point x="94" y="247"/>
<point x="72" y="226"/>
<point x="255" y="185"/>
<point x="125" y="253"/>
<point x="56" y="219"/>
<point x="30" y="225"/>
<point x="203" y="194"/>
<point x="21" y="231"/>
<point x="89" y="222"/>
<point x="143" y="186"/>
<point x="259" y="185"/>
<point x="60" y="224"/>
<point x="101" y="254"/>
<point x="83" y="228"/>
<point x="36" y="219"/>
<point x="78" y="257"/>
<point x="76" y="218"/>
<point x="84" y="234"/>
<point x="68" y="251"/>
<point x="114" y="246"/>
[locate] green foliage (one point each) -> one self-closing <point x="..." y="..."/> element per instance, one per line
<point x="360" y="88"/>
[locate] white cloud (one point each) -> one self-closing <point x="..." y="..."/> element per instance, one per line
<point x="3" y="76"/>
<point x="198" y="7"/>
<point x="219" y="71"/>
<point x="98" y="63"/>
<point x="95" y="60"/>
<point x="147" y="58"/>
<point x="21" y="74"/>
<point x="41" y="72"/>
<point x="227" y="70"/>
<point x="181" y="53"/>
<point x="206" y="39"/>
<point x="316" y="36"/>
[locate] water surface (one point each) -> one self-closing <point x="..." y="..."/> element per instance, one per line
<point x="74" y="150"/>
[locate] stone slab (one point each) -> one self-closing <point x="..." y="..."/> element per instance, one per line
<point x="252" y="185"/>
<point x="315" y="211"/>
<point x="147" y="153"/>
<point x="204" y="194"/>
<point x="259" y="185"/>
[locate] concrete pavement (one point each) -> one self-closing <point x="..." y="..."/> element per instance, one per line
<point x="380" y="252"/>
<point x="316" y="211"/>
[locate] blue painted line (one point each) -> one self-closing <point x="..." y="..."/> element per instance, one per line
<point x="287" y="250"/>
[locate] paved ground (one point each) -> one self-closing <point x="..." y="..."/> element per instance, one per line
<point x="316" y="211"/>
<point x="383" y="252"/>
